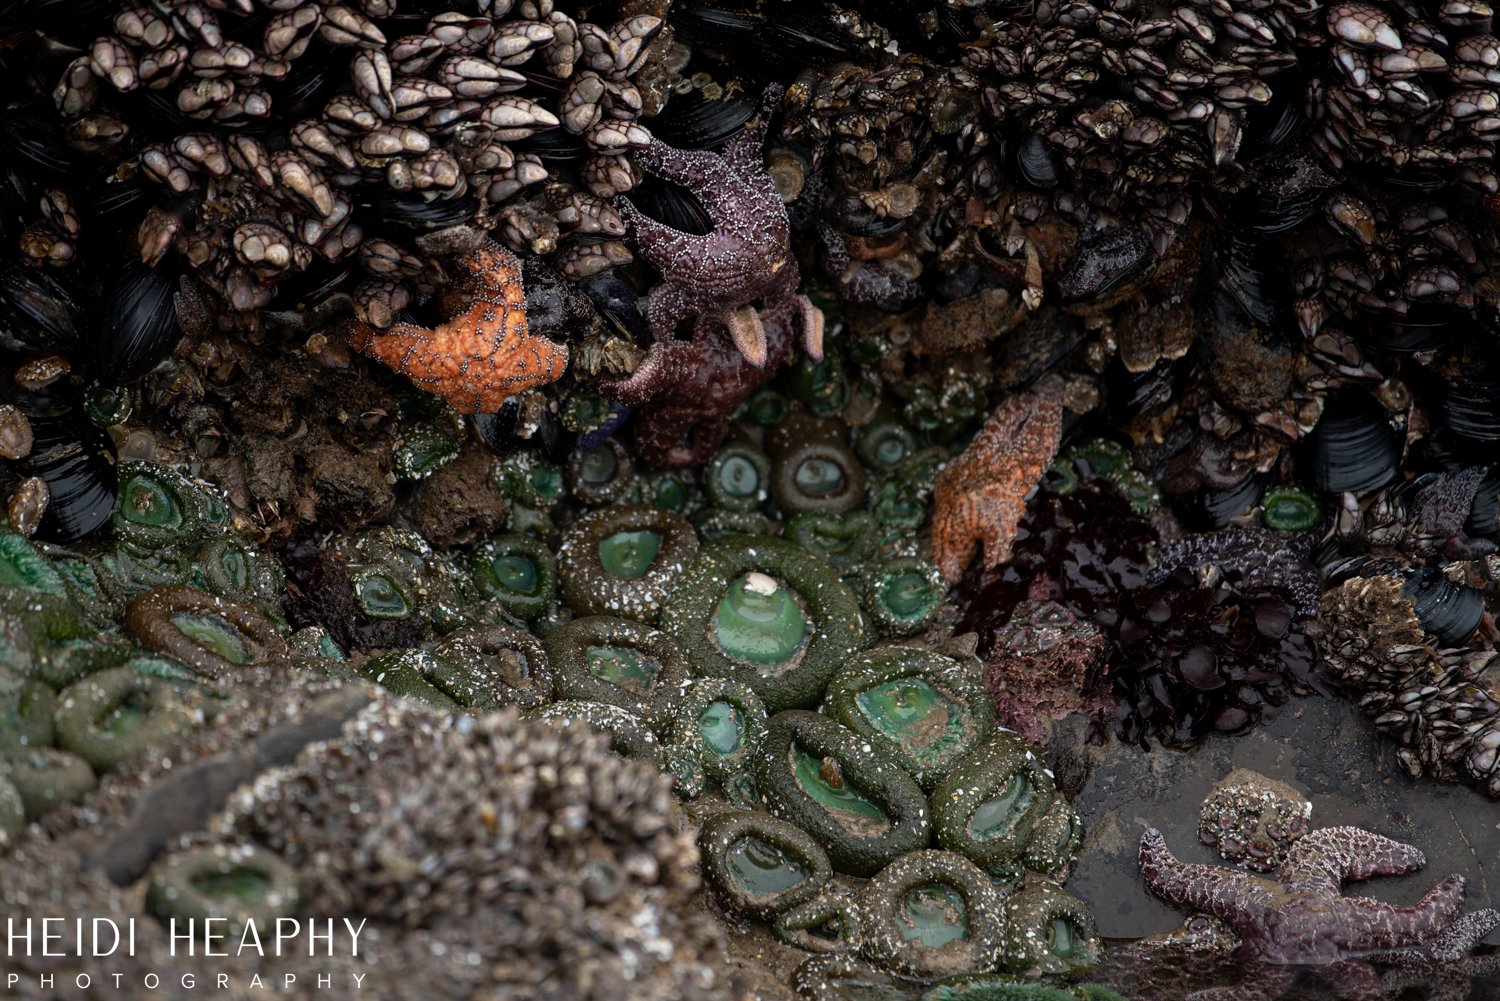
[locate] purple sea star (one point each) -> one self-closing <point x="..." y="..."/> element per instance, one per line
<point x="745" y="259"/>
<point x="1261" y="559"/>
<point x="687" y="390"/>
<point x="1300" y="916"/>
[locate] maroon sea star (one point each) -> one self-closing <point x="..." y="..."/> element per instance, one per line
<point x="746" y="258"/>
<point x="689" y="389"/>
<point x="1300" y="916"/>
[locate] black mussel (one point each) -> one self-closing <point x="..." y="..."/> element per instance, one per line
<point x="1209" y="510"/>
<point x="76" y="21"/>
<point x="706" y="117"/>
<point x="37" y="146"/>
<point x="1354" y="446"/>
<point x="554" y="145"/>
<point x="1449" y="611"/>
<point x="305" y="92"/>
<point x="789" y="34"/>
<point x="37" y="312"/>
<point x="1105" y="259"/>
<point x="1247" y="277"/>
<point x="122" y="202"/>
<point x="554" y="441"/>
<point x="413" y="213"/>
<point x="314" y="283"/>
<point x="1132" y="393"/>
<point x="1484" y="512"/>
<point x="1269" y="125"/>
<point x="1289" y="189"/>
<point x="75" y="459"/>
<point x="1052" y="335"/>
<point x="139" y="320"/>
<point x="617" y="299"/>
<point x="1036" y="163"/>
<point x="852" y="217"/>
<point x="1471" y="407"/>
<point x="554" y="305"/>
<point x="498" y="430"/>
<point x="672" y="204"/>
<point x="1425" y="327"/>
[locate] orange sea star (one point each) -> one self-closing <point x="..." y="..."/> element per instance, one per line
<point x="981" y="495"/>
<point x="483" y="354"/>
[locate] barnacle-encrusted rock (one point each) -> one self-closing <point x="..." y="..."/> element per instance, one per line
<point x="527" y="843"/>
<point x="1441" y="705"/>
<point x="1252" y="820"/>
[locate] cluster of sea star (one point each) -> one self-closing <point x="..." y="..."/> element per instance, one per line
<point x="1297" y="914"/>
<point x="737" y="283"/>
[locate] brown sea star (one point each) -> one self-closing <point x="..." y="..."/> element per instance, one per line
<point x="483" y="354"/>
<point x="745" y="259"/>
<point x="981" y="495"/>
<point x="689" y="389"/>
<point x="1300" y="916"/>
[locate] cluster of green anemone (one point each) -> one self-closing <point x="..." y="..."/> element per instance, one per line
<point x="739" y="625"/>
<point x="108" y="652"/>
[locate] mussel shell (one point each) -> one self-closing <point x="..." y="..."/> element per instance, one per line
<point x="1471" y="407"/>
<point x="410" y="213"/>
<point x="37" y="312"/>
<point x="1424" y="328"/>
<point x="1036" y="163"/>
<point x="1104" y="260"/>
<point x="692" y="120"/>
<point x="1353" y="447"/>
<point x="37" y="146"/>
<point x="554" y="305"/>
<point x="1245" y="271"/>
<point x="851" y="216"/>
<point x="791" y="35"/>
<point x="1210" y="510"/>
<point x="1132" y="393"/>
<point x="139" y="322"/>
<point x="76" y="460"/>
<point x="303" y="93"/>
<point x="1267" y="126"/>
<point x="1484" y="512"/>
<point x="553" y="145"/>
<point x="122" y="203"/>
<point x="617" y="300"/>
<point x="672" y="205"/>
<point x="1449" y="611"/>
<point x="498" y="430"/>
<point x="75" y="21"/>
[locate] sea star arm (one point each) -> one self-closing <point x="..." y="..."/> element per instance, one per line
<point x="1379" y="925"/>
<point x="748" y="334"/>
<point x="812" y="328"/>
<point x="743" y="152"/>
<point x="649" y="378"/>
<point x="666" y="307"/>
<point x="1321" y="860"/>
<point x="1223" y="892"/>
<point x="659" y="243"/>
<point x="1455" y="942"/>
<point x="700" y="171"/>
